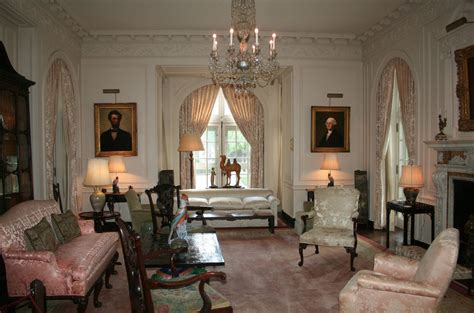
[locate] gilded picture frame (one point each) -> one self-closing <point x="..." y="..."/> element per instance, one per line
<point x="110" y="140"/>
<point x="465" y="87"/>
<point x="330" y="129"/>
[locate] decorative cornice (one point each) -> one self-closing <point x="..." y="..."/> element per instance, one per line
<point x="35" y="14"/>
<point x="199" y="45"/>
<point x="389" y="20"/>
<point x="421" y="14"/>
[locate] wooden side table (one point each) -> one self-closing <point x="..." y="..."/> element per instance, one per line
<point x="408" y="212"/>
<point x="100" y="219"/>
<point x="112" y="198"/>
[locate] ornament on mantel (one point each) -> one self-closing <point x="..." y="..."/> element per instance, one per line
<point x="442" y="124"/>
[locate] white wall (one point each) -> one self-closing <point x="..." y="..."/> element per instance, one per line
<point x="421" y="40"/>
<point x="32" y="39"/>
<point x="312" y="81"/>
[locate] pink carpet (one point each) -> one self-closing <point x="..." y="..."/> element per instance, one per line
<point x="263" y="276"/>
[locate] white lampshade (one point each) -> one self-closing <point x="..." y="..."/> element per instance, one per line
<point x="330" y="162"/>
<point x="117" y="164"/>
<point x="411" y="176"/>
<point x="97" y="173"/>
<point x="190" y="142"/>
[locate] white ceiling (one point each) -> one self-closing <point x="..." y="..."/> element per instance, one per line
<point x="342" y="17"/>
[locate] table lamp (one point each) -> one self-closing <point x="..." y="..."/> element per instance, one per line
<point x="330" y="162"/>
<point x="411" y="181"/>
<point x="116" y="165"/>
<point x="190" y="143"/>
<point x="97" y="176"/>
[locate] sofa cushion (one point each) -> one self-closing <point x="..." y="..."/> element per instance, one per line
<point x="256" y="203"/>
<point x="198" y="202"/>
<point x="226" y="203"/>
<point x="41" y="237"/>
<point x="65" y="226"/>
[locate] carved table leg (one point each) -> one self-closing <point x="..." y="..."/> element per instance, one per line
<point x="111" y="270"/>
<point x="316" y="249"/>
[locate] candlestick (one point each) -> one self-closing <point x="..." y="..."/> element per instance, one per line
<point x="253" y="48"/>
<point x="274" y="40"/>
<point x="256" y="36"/>
<point x="271" y="45"/>
<point x="231" y="36"/>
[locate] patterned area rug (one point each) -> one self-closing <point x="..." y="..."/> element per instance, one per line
<point x="263" y="276"/>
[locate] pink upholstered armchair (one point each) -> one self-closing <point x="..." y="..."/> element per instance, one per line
<point x="400" y="284"/>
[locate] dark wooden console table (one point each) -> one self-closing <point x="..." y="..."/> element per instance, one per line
<point x="408" y="212"/>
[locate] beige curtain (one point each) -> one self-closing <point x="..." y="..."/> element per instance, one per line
<point x="59" y="85"/>
<point x="406" y="90"/>
<point x="194" y="116"/>
<point x="248" y="115"/>
<point x="383" y="111"/>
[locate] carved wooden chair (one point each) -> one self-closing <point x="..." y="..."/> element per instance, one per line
<point x="57" y="196"/>
<point x="162" y="208"/>
<point x="182" y="294"/>
<point x="335" y="214"/>
<point x="36" y="299"/>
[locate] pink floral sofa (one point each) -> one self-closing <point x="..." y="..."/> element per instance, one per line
<point x="73" y="271"/>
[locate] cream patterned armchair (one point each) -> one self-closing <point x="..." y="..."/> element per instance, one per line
<point x="400" y="284"/>
<point x="335" y="213"/>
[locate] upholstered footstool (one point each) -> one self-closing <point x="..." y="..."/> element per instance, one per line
<point x="416" y="252"/>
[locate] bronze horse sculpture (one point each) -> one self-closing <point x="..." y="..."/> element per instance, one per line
<point x="228" y="168"/>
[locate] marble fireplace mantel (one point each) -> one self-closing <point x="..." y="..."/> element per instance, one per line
<point x="455" y="160"/>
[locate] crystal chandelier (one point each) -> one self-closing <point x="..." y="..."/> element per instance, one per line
<point x="244" y="68"/>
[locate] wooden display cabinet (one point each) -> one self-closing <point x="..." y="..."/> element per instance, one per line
<point x="16" y="181"/>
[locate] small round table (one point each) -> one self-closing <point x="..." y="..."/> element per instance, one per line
<point x="99" y="219"/>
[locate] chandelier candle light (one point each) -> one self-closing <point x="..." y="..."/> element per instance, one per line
<point x="244" y="69"/>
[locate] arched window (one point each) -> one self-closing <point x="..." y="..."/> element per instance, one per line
<point x="222" y="137"/>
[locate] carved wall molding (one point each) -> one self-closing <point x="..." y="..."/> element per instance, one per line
<point x="176" y="47"/>
<point x="418" y="16"/>
<point x="35" y="13"/>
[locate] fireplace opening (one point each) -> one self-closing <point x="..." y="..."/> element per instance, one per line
<point x="463" y="207"/>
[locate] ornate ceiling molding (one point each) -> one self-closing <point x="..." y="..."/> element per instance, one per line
<point x="34" y="14"/>
<point x="421" y="15"/>
<point x="198" y="46"/>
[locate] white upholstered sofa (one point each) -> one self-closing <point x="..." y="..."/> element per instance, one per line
<point x="231" y="200"/>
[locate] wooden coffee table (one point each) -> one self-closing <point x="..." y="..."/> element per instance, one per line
<point x="216" y="215"/>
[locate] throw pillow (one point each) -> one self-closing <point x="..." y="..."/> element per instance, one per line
<point x="41" y="237"/>
<point x="65" y="226"/>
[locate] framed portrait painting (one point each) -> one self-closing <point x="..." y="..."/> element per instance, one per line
<point x="330" y="129"/>
<point x="115" y="129"/>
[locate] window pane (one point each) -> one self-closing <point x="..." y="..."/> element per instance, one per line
<point x="233" y="145"/>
